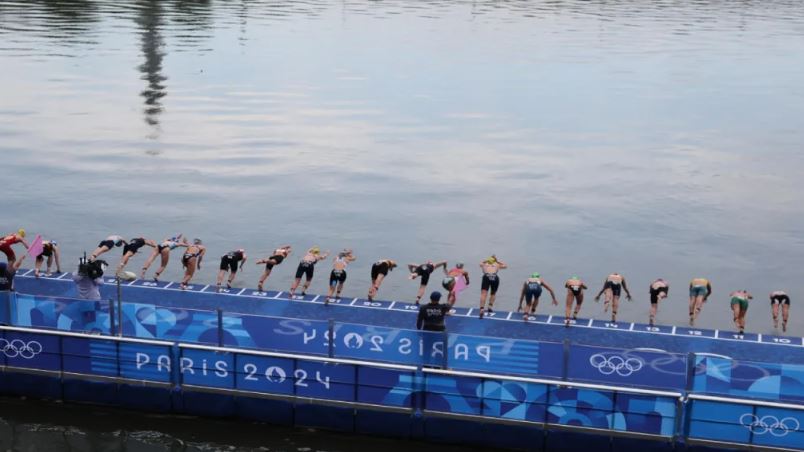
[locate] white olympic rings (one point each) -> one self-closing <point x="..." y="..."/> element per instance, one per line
<point x="769" y="424"/>
<point x="610" y="364"/>
<point x="18" y="347"/>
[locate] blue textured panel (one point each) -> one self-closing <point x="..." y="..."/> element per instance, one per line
<point x="325" y="380"/>
<point x="628" y="367"/>
<point x="207" y="368"/>
<point x="31" y="351"/>
<point x="263" y="374"/>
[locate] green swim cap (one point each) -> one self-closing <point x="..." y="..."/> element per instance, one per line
<point x="535" y="275"/>
<point x="575" y="277"/>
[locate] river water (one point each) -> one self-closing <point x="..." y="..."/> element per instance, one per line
<point x="658" y="139"/>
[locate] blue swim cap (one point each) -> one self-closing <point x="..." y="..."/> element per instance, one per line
<point x="435" y="296"/>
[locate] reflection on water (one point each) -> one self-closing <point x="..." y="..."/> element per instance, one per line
<point x="149" y="19"/>
<point x="30" y="425"/>
<point x="571" y="137"/>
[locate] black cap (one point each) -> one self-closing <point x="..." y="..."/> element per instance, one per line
<point x="435" y="296"/>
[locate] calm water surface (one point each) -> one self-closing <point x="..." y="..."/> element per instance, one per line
<point x="658" y="139"/>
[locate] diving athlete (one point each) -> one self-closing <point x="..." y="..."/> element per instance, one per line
<point x="107" y="244"/>
<point x="11" y="239"/>
<point x="613" y="286"/>
<point x="658" y="292"/>
<point x="131" y="248"/>
<point x="306" y="268"/>
<point x="456" y="280"/>
<point x="531" y="291"/>
<point x="490" y="282"/>
<point x="276" y="258"/>
<point x="780" y="298"/>
<point x="424" y="270"/>
<point x="163" y="250"/>
<point x="379" y="270"/>
<point x="338" y="274"/>
<point x="700" y="289"/>
<point x="739" y="306"/>
<point x="191" y="260"/>
<point x="229" y="263"/>
<point x="575" y="288"/>
<point x="50" y="250"/>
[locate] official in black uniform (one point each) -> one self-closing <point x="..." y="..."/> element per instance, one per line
<point x="431" y="315"/>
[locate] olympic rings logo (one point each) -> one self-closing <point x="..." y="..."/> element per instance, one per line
<point x="20" y="348"/>
<point x="608" y="365"/>
<point x="769" y="424"/>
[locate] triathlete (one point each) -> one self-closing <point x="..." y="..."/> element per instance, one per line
<point x="613" y="286"/>
<point x="780" y="298"/>
<point x="306" y="267"/>
<point x="229" y="263"/>
<point x="107" y="244"/>
<point x="279" y="255"/>
<point x="739" y="306"/>
<point x="658" y="292"/>
<point x="131" y="248"/>
<point x="575" y="288"/>
<point x="490" y="282"/>
<point x="338" y="274"/>
<point x="11" y="239"/>
<point x="424" y="270"/>
<point x="531" y="291"/>
<point x="191" y="260"/>
<point x="456" y="280"/>
<point x="379" y="270"/>
<point x="163" y="251"/>
<point x="50" y="250"/>
<point x="700" y="289"/>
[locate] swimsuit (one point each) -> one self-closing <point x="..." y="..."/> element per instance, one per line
<point x="277" y="258"/>
<point x="305" y="268"/>
<point x="230" y="260"/>
<point x="740" y="300"/>
<point x="424" y="271"/>
<point x="615" y="286"/>
<point x="187" y="256"/>
<point x="134" y="245"/>
<point x="379" y="268"/>
<point x="533" y="290"/>
<point x="655" y="291"/>
<point x="780" y="297"/>
<point x="490" y="281"/>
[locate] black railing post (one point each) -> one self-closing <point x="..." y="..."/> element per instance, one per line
<point x="331" y="338"/>
<point x="220" y="327"/>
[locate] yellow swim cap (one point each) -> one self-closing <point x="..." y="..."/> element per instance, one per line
<point x="491" y="260"/>
<point x="315" y="250"/>
<point x="21" y="232"/>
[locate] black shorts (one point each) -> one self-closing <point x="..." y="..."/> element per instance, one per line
<point x="227" y="263"/>
<point x="133" y="246"/>
<point x="654" y="294"/>
<point x="106" y="243"/>
<point x="276" y="258"/>
<point x="337" y="276"/>
<point x="305" y="268"/>
<point x="424" y="275"/>
<point x="781" y="299"/>
<point x="186" y="258"/>
<point x="615" y="288"/>
<point x="491" y="281"/>
<point x="378" y="269"/>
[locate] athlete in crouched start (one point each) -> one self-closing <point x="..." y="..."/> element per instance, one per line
<point x="531" y="291"/>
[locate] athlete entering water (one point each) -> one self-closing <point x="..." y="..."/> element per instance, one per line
<point x="739" y="306"/>
<point x="191" y="260"/>
<point x="276" y="258"/>
<point x="700" y="289"/>
<point x="131" y="248"/>
<point x="490" y="282"/>
<point x="50" y="250"/>
<point x="780" y="298"/>
<point x="613" y="286"/>
<point x="424" y="270"/>
<point x="306" y="268"/>
<point x="229" y="263"/>
<point x="531" y="291"/>
<point x="456" y="280"/>
<point x="11" y="239"/>
<point x="379" y="270"/>
<point x="658" y="292"/>
<point x="575" y="288"/>
<point x="163" y="252"/>
<point x="107" y="244"/>
<point x="338" y="274"/>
